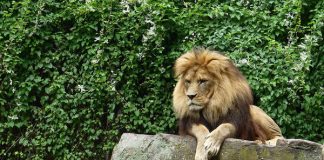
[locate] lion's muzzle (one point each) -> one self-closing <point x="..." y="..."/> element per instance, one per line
<point x="194" y="106"/>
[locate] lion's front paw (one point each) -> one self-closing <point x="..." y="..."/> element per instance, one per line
<point x="201" y="155"/>
<point x="212" y="146"/>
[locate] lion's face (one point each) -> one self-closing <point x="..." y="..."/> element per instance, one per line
<point x="198" y="88"/>
<point x="208" y="82"/>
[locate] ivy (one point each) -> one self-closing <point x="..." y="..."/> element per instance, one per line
<point x="75" y="75"/>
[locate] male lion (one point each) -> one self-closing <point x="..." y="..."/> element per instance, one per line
<point x="213" y="101"/>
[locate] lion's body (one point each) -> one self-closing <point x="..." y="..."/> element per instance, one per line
<point x="213" y="101"/>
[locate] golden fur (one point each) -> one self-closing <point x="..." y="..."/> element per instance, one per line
<point x="213" y="101"/>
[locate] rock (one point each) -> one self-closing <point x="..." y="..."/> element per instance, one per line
<point x="174" y="147"/>
<point x="288" y="149"/>
<point x="154" y="147"/>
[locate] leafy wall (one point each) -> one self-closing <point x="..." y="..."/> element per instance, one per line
<point x="76" y="74"/>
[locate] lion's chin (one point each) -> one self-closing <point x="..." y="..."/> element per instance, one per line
<point x="194" y="107"/>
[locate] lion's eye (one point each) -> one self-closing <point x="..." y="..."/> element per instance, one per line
<point x="202" y="81"/>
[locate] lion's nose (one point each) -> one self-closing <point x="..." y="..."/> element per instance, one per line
<point x="191" y="96"/>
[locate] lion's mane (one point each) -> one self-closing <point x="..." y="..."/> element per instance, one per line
<point x="231" y="96"/>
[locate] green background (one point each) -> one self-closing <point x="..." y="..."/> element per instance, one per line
<point x="76" y="74"/>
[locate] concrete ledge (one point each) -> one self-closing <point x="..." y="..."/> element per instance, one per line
<point x="174" y="147"/>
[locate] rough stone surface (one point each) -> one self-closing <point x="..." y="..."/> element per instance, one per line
<point x="154" y="147"/>
<point x="173" y="147"/>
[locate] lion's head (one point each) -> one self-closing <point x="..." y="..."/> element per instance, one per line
<point x="208" y="83"/>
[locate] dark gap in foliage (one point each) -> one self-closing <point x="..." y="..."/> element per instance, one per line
<point x="307" y="11"/>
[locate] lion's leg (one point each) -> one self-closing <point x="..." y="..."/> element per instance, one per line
<point x="215" y="139"/>
<point x="267" y="125"/>
<point x="200" y="132"/>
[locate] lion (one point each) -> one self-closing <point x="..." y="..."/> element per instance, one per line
<point x="213" y="101"/>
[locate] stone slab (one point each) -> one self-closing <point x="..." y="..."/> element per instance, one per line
<point x="174" y="147"/>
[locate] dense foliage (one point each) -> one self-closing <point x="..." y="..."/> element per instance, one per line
<point x="76" y="74"/>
